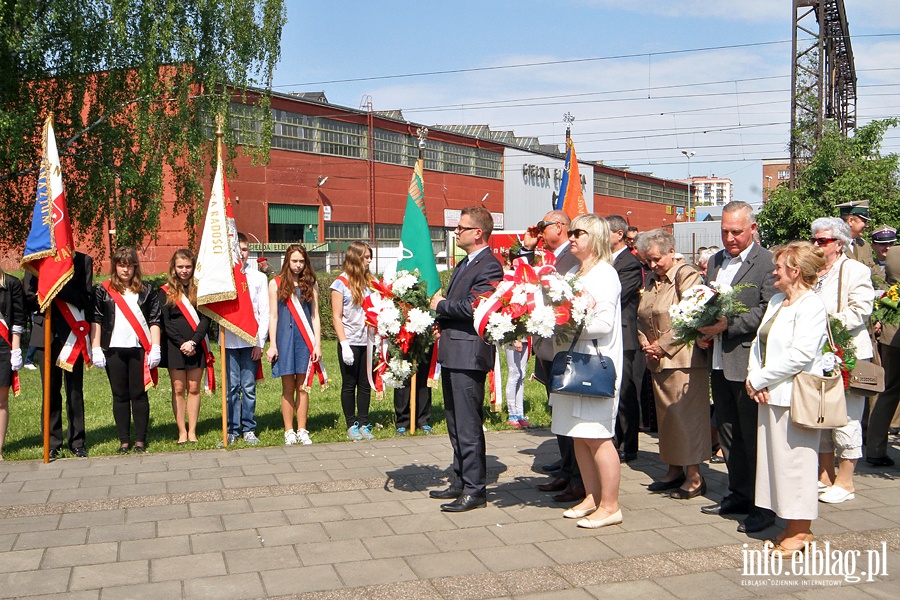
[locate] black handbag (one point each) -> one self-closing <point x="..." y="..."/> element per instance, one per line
<point x="578" y="374"/>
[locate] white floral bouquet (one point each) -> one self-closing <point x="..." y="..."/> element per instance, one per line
<point x="399" y="310"/>
<point x="703" y="305"/>
<point x="531" y="302"/>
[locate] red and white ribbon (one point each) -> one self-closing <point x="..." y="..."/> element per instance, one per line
<point x="76" y="343"/>
<point x="190" y="315"/>
<point x="315" y="368"/>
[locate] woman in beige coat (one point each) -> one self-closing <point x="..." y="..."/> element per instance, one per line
<point x="679" y="374"/>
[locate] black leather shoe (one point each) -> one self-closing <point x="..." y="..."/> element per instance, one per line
<point x="572" y="493"/>
<point x="880" y="461"/>
<point x="80" y="452"/>
<point x="139" y="449"/>
<point x="725" y="507"/>
<point x="662" y="486"/>
<point x="557" y="485"/>
<point x="54" y="453"/>
<point x="717" y="460"/>
<point x="465" y="502"/>
<point x="449" y="493"/>
<point x="756" y="521"/>
<point x="552" y="467"/>
<point x="626" y="457"/>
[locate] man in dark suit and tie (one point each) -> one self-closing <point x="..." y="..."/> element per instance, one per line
<point x="630" y="276"/>
<point x="741" y="261"/>
<point x="78" y="293"/>
<point x="466" y="359"/>
<point x="554" y="231"/>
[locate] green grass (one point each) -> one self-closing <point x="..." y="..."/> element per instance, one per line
<point x="326" y="421"/>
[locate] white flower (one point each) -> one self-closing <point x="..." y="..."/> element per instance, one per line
<point x="498" y="326"/>
<point x="541" y="321"/>
<point x="559" y="289"/>
<point x="418" y="320"/>
<point x="522" y="292"/>
<point x="403" y="282"/>
<point x="830" y="360"/>
<point x="722" y="288"/>
<point x="389" y="321"/>
<point x="397" y="373"/>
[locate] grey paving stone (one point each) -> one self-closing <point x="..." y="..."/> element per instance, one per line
<point x="189" y="526"/>
<point x="45" y="581"/>
<point x="90" y="519"/>
<point x="261" y="559"/>
<point x="138" y="489"/>
<point x="524" y="533"/>
<point x="227" y="587"/>
<point x="7" y="541"/>
<point x="399" y="545"/>
<point x="24" y="498"/>
<point x="507" y="558"/>
<point x="154" y="548"/>
<point x="240" y="480"/>
<point x="388" y="508"/>
<point x="703" y="585"/>
<point x="696" y="536"/>
<point x="374" y="571"/>
<point x="166" y="590"/>
<point x="435" y="520"/>
<point x="87" y="554"/>
<point x="29" y="524"/>
<point x="216" y="472"/>
<point x="463" y="539"/>
<point x="156" y="513"/>
<point x="68" y="483"/>
<point x="187" y="567"/>
<point x="627" y="590"/>
<point x="162" y="476"/>
<point x="226" y="540"/>
<point x="445" y="564"/>
<point x="566" y="551"/>
<point x="22" y="560"/>
<point x="297" y="581"/>
<point x="62" y="537"/>
<point x="338" y="498"/>
<point x="332" y="552"/>
<point x="361" y="528"/>
<point x="88" y="577"/>
<point x="221" y="507"/>
<point x="636" y="543"/>
<point x="193" y="485"/>
<point x="82" y="595"/>
<point x="308" y="533"/>
<point x="253" y="520"/>
<point x="312" y="476"/>
<point x="290" y="502"/>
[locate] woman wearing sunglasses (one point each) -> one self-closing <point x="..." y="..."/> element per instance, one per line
<point x="845" y="286"/>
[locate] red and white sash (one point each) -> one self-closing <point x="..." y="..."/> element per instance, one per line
<point x="190" y="314"/>
<point x="4" y="333"/>
<point x="141" y="330"/>
<point x="316" y="368"/>
<point x="76" y="344"/>
<point x="434" y="370"/>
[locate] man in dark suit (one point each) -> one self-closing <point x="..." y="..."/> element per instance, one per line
<point x="78" y="293"/>
<point x="740" y="262"/>
<point x="466" y="359"/>
<point x="630" y="276"/>
<point x="554" y="231"/>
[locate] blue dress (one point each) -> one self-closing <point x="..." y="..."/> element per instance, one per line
<point x="293" y="354"/>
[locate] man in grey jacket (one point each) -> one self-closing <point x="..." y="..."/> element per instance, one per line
<point x="741" y="261"/>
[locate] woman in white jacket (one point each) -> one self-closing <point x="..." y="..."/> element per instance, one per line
<point x="590" y="420"/>
<point x="845" y="286"/>
<point x="789" y="340"/>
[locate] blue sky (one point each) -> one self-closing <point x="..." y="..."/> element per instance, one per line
<point x="637" y="79"/>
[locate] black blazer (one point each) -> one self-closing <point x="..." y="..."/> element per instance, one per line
<point x="78" y="291"/>
<point x="460" y="346"/>
<point x="12" y="303"/>
<point x="629" y="269"/>
<point x="105" y="310"/>
<point x="736" y="340"/>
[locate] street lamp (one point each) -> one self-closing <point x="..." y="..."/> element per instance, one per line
<point x="689" y="154"/>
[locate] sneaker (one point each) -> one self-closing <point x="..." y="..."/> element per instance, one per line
<point x="524" y="423"/>
<point x="232" y="438"/>
<point x="353" y="433"/>
<point x="29" y="366"/>
<point x="290" y="438"/>
<point x="251" y="438"/>
<point x="303" y="437"/>
<point x="426" y="429"/>
<point x="514" y="423"/>
<point x="402" y="431"/>
<point x="366" y="432"/>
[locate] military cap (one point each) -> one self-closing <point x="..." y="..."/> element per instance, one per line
<point x="884" y="235"/>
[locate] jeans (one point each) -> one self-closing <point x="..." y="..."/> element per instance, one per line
<point x="241" y="390"/>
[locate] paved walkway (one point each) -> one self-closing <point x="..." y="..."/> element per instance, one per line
<point x="354" y="521"/>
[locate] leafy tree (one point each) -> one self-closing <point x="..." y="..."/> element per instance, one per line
<point x="134" y="85"/>
<point x="840" y="170"/>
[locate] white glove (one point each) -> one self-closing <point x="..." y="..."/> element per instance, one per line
<point x="16" y="359"/>
<point x="347" y="353"/>
<point x="155" y="356"/>
<point x="98" y="358"/>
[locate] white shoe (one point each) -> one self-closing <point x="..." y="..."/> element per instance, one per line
<point x="29" y="366"/>
<point x="250" y="438"/>
<point x="836" y="495"/>
<point x="303" y="437"/>
<point x="823" y="487"/>
<point x="579" y="514"/>
<point x="613" y="519"/>
<point x="290" y="438"/>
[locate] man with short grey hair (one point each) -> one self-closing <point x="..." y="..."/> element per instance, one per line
<point x="741" y="261"/>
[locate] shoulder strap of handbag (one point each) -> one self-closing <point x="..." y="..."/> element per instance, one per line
<point x="840" y="284"/>
<point x="827" y="329"/>
<point x="575" y="341"/>
<point x="675" y="281"/>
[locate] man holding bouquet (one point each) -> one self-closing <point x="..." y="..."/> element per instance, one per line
<point x="741" y="261"/>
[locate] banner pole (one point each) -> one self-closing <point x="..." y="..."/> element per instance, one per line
<point x="224" y="387"/>
<point x="46" y="382"/>
<point x="412" y="404"/>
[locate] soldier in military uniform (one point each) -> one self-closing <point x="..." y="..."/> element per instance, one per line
<point x="856" y="215"/>
<point x="883" y="239"/>
<point x="887" y="402"/>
